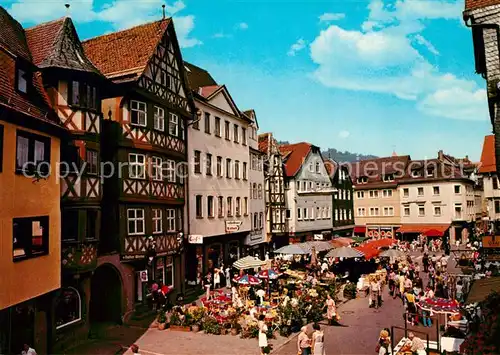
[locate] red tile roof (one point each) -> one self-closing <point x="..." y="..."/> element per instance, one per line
<point x="488" y="161"/>
<point x="295" y="155"/>
<point x="42" y="38"/>
<point x="264" y="142"/>
<point x="475" y="4"/>
<point x="375" y="169"/>
<point x="206" y="91"/>
<point x="125" y="52"/>
<point x="12" y="36"/>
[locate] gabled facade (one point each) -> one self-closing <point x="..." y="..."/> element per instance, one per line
<point x="144" y="146"/>
<point x="343" y="206"/>
<point x="310" y="192"/>
<point x="490" y="183"/>
<point x="30" y="205"/>
<point x="219" y="182"/>
<point x="275" y="194"/>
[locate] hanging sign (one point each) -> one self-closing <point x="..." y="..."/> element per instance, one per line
<point x="233" y="226"/>
<point x="491" y="241"/>
<point x="318" y="237"/>
<point x="144" y="275"/>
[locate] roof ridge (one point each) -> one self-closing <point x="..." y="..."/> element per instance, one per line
<point x="126" y="29"/>
<point x="47" y="23"/>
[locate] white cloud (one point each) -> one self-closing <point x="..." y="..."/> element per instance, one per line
<point x="344" y="134"/>
<point x="456" y="103"/>
<point x="243" y="26"/>
<point x="297" y="47"/>
<point x="385" y="56"/>
<point x="120" y="14"/>
<point x="221" y="35"/>
<point x="424" y="42"/>
<point x="331" y="16"/>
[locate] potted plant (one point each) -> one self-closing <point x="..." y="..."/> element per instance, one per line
<point x="210" y="325"/>
<point x="234" y="322"/>
<point x="178" y="322"/>
<point x="197" y="317"/>
<point x="350" y="291"/>
<point x="225" y="328"/>
<point x="162" y="320"/>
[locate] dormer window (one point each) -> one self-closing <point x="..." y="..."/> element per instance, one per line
<point x="415" y="173"/>
<point x="83" y="95"/>
<point x="430" y="171"/>
<point x="389" y="178"/>
<point x="362" y="180"/>
<point x="22" y="80"/>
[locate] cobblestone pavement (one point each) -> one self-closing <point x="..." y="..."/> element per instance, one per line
<point x="156" y="342"/>
<point x="362" y="326"/>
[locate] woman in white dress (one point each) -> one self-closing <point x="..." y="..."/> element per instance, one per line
<point x="318" y="341"/>
<point x="262" y="333"/>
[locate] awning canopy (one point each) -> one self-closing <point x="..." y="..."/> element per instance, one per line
<point x="248" y="262"/>
<point x="380" y="243"/>
<point x="359" y="229"/>
<point x="429" y="230"/>
<point x="368" y="251"/>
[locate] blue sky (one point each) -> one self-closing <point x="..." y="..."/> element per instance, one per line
<point x="368" y="76"/>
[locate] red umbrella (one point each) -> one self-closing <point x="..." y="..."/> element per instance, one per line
<point x="368" y="251"/>
<point x="380" y="243"/>
<point x="439" y="305"/>
<point x="247" y="280"/>
<point x="269" y="274"/>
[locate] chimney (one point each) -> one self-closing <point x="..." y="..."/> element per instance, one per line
<point x="163" y="10"/>
<point x="440" y="155"/>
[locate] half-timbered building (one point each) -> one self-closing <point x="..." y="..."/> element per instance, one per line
<point x="219" y="218"/>
<point x="276" y="211"/>
<point x="30" y="214"/>
<point x="71" y="83"/>
<point x="144" y="156"/>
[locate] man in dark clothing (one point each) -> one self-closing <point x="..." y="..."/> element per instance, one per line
<point x="425" y="261"/>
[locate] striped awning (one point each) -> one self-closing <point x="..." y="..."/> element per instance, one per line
<point x="248" y="262"/>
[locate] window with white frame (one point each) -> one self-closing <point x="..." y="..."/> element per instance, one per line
<point x="388" y="211"/>
<point x="406" y="192"/>
<point x="169" y="271"/>
<point x="138" y="113"/>
<point x="350" y="214"/>
<point x="299" y="214"/>
<point x="344" y="214"/>
<point x="318" y="213"/>
<point x="170" y="170"/>
<point x="435" y="190"/>
<point x="361" y="194"/>
<point x="336" y="214"/>
<point x="305" y="210"/>
<point x="420" y="191"/>
<point x="159" y="119"/>
<point x="361" y="212"/>
<point x="387" y="193"/>
<point x="406" y="211"/>
<point x="156" y="167"/>
<point x="238" y="206"/>
<point x="68" y="308"/>
<point x="311" y="216"/>
<point x="173" y="125"/>
<point x="421" y="210"/>
<point x="135" y="221"/>
<point x="229" y="205"/>
<point x="137" y="166"/>
<point x="210" y="206"/>
<point x="157" y="221"/>
<point x="374" y="211"/>
<point x="437" y="211"/>
<point x="317" y="167"/>
<point x="171" y="225"/>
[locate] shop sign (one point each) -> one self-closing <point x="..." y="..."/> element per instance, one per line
<point x="144" y="275"/>
<point x="253" y="239"/>
<point x="491" y="242"/>
<point x="233" y="226"/>
<point x="132" y="256"/>
<point x="318" y="237"/>
<point x="195" y="239"/>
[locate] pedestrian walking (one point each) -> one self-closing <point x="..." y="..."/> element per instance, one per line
<point x="303" y="342"/>
<point x="318" y="341"/>
<point x="262" y="334"/>
<point x="383" y="343"/>
<point x="28" y="350"/>
<point x="331" y="309"/>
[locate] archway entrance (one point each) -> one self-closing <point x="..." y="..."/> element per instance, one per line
<point x="106" y="295"/>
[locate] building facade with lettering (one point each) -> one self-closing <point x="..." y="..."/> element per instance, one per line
<point x="144" y="145"/>
<point x="219" y="182"/>
<point x="309" y="193"/>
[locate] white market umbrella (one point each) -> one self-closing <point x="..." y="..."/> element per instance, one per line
<point x="248" y="262"/>
<point x="392" y="253"/>
<point x="344" y="252"/>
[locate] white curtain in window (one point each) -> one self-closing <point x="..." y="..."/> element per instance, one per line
<point x="39" y="151"/>
<point x="22" y="150"/>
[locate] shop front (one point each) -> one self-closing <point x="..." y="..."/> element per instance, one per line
<point x="378" y="232"/>
<point x="255" y="244"/>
